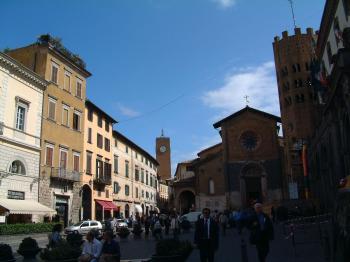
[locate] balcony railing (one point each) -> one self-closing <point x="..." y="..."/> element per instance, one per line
<point x="61" y="173"/>
<point x="103" y="180"/>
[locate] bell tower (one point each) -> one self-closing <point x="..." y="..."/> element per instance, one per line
<point x="163" y="156"/>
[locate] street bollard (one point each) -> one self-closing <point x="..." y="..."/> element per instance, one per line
<point x="244" y="253"/>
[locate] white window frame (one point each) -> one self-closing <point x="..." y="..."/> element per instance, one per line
<point x="53" y="151"/>
<point x="25" y="107"/>
<point x="78" y="80"/>
<point x="79" y="125"/>
<point x="66" y="151"/>
<point x="57" y="66"/>
<point x="48" y="108"/>
<point x="78" y="155"/>
<point x="69" y="74"/>
<point x="65" y="107"/>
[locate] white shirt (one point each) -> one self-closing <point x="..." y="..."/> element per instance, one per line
<point x="92" y="248"/>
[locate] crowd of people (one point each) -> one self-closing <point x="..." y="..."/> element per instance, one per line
<point x="206" y="236"/>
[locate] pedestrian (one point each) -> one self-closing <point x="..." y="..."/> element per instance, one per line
<point x="91" y="249"/>
<point x="167" y="225"/>
<point x="223" y="222"/>
<point x="157" y="231"/>
<point x="261" y="232"/>
<point x="273" y="214"/>
<point x="206" y="236"/>
<point x="55" y="237"/>
<point x="174" y="225"/>
<point x="110" y="249"/>
<point x="147" y="224"/>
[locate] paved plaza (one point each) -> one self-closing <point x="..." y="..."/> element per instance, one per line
<point x="230" y="246"/>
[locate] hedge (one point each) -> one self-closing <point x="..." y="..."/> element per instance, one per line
<point x="11" y="229"/>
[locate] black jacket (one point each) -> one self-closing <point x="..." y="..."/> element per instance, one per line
<point x="200" y="235"/>
<point x="259" y="235"/>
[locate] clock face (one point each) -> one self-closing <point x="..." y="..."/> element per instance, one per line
<point x="249" y="140"/>
<point x="162" y="149"/>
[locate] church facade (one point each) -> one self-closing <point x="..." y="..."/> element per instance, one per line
<point x="245" y="167"/>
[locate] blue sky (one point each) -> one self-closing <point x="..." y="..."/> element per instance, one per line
<point x="179" y="65"/>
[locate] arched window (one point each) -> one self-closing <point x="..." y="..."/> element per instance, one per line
<point x="211" y="186"/>
<point x="17" y="167"/>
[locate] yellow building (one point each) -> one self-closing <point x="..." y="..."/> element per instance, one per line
<point x="135" y="181"/>
<point x="62" y="144"/>
<point x="97" y="198"/>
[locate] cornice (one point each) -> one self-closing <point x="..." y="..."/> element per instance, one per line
<point x="14" y="66"/>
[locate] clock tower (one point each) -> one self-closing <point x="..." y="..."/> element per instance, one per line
<point x="163" y="157"/>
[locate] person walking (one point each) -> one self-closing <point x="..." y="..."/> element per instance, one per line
<point x="206" y="236"/>
<point x="174" y="225"/>
<point x="147" y="225"/>
<point x="261" y="232"/>
<point x="223" y="222"/>
<point x="157" y="231"/>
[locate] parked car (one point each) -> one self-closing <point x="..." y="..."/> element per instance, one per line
<point x="83" y="227"/>
<point x="192" y="217"/>
<point x="121" y="223"/>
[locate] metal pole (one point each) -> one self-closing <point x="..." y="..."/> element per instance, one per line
<point x="244" y="254"/>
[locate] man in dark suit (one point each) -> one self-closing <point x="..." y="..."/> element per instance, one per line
<point x="206" y="236"/>
<point x="261" y="232"/>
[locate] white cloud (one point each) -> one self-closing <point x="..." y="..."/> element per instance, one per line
<point x="225" y="3"/>
<point x="259" y="83"/>
<point x="127" y="111"/>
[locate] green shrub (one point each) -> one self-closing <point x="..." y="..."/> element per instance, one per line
<point x="61" y="252"/>
<point x="28" y="243"/>
<point x="12" y="229"/>
<point x="5" y="252"/>
<point x="170" y="247"/>
<point x="75" y="240"/>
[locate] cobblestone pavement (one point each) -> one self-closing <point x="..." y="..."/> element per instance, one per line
<point x="230" y="247"/>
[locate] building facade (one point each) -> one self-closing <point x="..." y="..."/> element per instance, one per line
<point x="97" y="191"/>
<point x="134" y="179"/>
<point x="21" y="99"/>
<point x="163" y="196"/>
<point x="210" y="179"/>
<point x="183" y="189"/>
<point x="251" y="157"/>
<point x="298" y="102"/>
<point x="62" y="123"/>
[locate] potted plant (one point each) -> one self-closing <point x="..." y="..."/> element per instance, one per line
<point x="75" y="240"/>
<point x="123" y="232"/>
<point x="28" y="248"/>
<point x="62" y="252"/>
<point x="6" y="253"/>
<point x="137" y="229"/>
<point x="172" y="250"/>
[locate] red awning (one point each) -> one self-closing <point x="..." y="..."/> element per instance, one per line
<point x="107" y="205"/>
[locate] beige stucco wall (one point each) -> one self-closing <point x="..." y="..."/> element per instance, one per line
<point x="120" y="199"/>
<point x="106" y="156"/>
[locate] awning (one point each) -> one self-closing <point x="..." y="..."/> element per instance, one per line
<point x="25" y="207"/>
<point x="107" y="205"/>
<point x="138" y="208"/>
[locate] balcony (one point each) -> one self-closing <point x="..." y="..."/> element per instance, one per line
<point x="64" y="174"/>
<point x="103" y="180"/>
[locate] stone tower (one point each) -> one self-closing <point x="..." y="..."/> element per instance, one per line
<point x="163" y="155"/>
<point x="298" y="103"/>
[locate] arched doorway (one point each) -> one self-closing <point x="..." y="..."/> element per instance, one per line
<point x="127" y="212"/>
<point x="253" y="184"/>
<point x="86" y="202"/>
<point x="186" y="201"/>
<point x="147" y="210"/>
<point x="143" y="209"/>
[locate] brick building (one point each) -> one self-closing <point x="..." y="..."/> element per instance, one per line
<point x="293" y="55"/>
